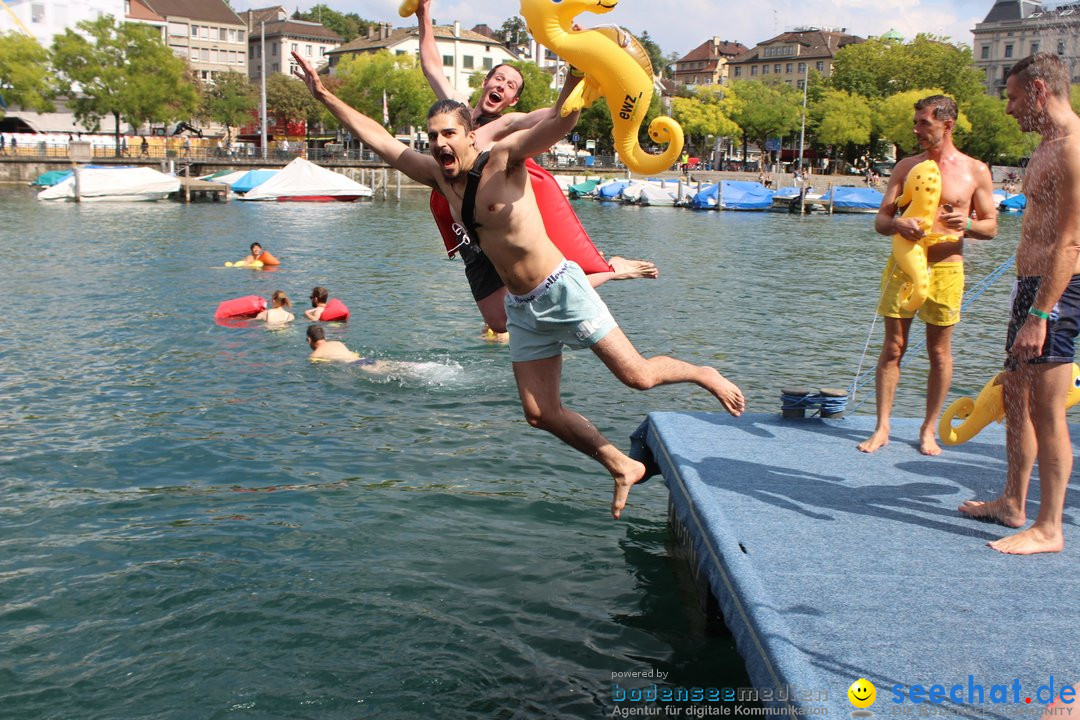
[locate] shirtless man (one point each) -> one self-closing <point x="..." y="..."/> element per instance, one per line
<point x="501" y="91"/>
<point x="966" y="187"/>
<point x="549" y="301"/>
<point x="336" y="351"/>
<point x="1045" y="312"/>
<point x="319" y="296"/>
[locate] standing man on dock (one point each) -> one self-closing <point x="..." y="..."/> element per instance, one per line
<point x="966" y="188"/>
<point x="549" y="302"/>
<point x="1045" y="313"/>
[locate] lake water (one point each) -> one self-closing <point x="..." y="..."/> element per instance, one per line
<point x="196" y="522"/>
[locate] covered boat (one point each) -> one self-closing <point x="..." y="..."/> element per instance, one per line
<point x="582" y="188"/>
<point x="97" y="184"/>
<point x="249" y="180"/>
<point x="848" y="199"/>
<point x="1014" y="203"/>
<point x="610" y="190"/>
<point x="304" y="181"/>
<point x="733" y="195"/>
<point x="666" y="196"/>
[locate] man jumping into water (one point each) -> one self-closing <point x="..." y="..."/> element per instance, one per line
<point x="1045" y="313"/>
<point x="549" y="301"/>
<point x="966" y="187"/>
<point x="501" y="91"/>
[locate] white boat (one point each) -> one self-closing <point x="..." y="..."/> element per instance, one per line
<point x="304" y="181"/>
<point x="660" y="197"/>
<point x="125" y="184"/>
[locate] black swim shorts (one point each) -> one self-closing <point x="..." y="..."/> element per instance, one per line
<point x="1061" y="328"/>
<point x="483" y="280"/>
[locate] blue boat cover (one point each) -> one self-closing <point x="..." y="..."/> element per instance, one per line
<point x="611" y="191"/>
<point x="251" y="179"/>
<point x="1016" y="203"/>
<point x="862" y="198"/>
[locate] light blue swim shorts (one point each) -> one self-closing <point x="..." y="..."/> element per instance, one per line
<point x="562" y="310"/>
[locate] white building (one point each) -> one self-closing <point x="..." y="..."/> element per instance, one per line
<point x="464" y="52"/>
<point x="1014" y="29"/>
<point x="281" y="36"/>
<point x="45" y="19"/>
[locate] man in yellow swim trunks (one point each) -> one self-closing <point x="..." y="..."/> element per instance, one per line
<point x="966" y="209"/>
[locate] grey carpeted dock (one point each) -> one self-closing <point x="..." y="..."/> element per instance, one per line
<point x="830" y="565"/>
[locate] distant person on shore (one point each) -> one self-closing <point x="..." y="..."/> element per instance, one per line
<point x="144" y="147"/>
<point x="1045" y="311"/>
<point x="500" y="92"/>
<point x="3" y="148"/>
<point x="966" y="188"/>
<point x="549" y="302"/>
<point x="258" y="254"/>
<point x="277" y="314"/>
<point x="319" y="296"/>
<point x="336" y="351"/>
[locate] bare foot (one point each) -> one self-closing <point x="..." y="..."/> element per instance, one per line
<point x="631" y="476"/>
<point x="928" y="444"/>
<point x="999" y="510"/>
<point x="630" y="269"/>
<point x="1028" y="542"/>
<point x="878" y="440"/>
<point x="727" y="392"/>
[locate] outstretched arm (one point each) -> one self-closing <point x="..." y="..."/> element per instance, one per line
<point x="549" y="127"/>
<point x="419" y="167"/>
<point x="431" y="59"/>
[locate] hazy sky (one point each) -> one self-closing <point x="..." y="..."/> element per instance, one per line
<point x="679" y="26"/>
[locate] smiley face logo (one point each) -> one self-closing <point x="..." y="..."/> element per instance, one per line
<point x="862" y="693"/>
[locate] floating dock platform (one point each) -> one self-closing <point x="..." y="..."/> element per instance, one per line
<point x="831" y="565"/>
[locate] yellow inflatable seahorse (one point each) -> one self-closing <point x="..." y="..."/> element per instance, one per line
<point x="988" y="407"/>
<point x="922" y="192"/>
<point x="611" y="71"/>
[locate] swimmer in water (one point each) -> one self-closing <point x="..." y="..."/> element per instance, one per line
<point x="335" y="351"/>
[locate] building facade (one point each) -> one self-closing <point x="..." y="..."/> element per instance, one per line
<point x="790" y="55"/>
<point x="464" y="52"/>
<point x="1014" y="29"/>
<point x="707" y="63"/>
<point x="272" y="29"/>
<point x="206" y="33"/>
<point x="45" y="19"/>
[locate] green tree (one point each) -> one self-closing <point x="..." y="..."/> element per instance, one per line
<point x="231" y="100"/>
<point x="347" y="25"/>
<point x="766" y="110"/>
<point x="595" y="124"/>
<point x="514" y="32"/>
<point x="288" y="100"/>
<point x="841" y="118"/>
<point x="880" y="68"/>
<point x="365" y="77"/>
<point x="704" y="114"/>
<point x="125" y="71"/>
<point x="537" y="92"/>
<point x="996" y="138"/>
<point x="25" y="79"/>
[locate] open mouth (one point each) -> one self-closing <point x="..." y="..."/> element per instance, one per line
<point x="494" y="97"/>
<point x="447" y="160"/>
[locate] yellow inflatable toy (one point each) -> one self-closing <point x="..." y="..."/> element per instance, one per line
<point x="922" y="192"/>
<point x="988" y="407"/>
<point x="408" y="7"/>
<point x="615" y="69"/>
<point x="241" y="263"/>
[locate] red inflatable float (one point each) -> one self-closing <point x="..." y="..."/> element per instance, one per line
<point x="334" y="310"/>
<point x="241" y="307"/>
<point x="560" y="222"/>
